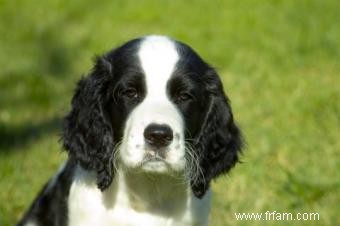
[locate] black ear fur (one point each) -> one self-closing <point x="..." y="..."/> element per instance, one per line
<point x="219" y="141"/>
<point x="87" y="132"/>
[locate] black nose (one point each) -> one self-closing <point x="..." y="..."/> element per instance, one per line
<point x="158" y="135"/>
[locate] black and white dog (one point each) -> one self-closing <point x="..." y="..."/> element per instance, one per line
<point x="149" y="128"/>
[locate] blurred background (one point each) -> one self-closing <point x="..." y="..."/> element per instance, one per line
<point x="279" y="61"/>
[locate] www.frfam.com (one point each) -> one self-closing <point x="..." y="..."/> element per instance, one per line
<point x="277" y="216"/>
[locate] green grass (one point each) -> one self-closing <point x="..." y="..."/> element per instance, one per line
<point x="279" y="61"/>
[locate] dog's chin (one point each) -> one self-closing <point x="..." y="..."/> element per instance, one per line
<point x="155" y="166"/>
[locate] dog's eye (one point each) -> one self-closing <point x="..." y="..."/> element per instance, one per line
<point x="130" y="93"/>
<point x="183" y="96"/>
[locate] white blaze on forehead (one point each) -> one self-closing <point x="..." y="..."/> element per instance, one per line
<point x="158" y="57"/>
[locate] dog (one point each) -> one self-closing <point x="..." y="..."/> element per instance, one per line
<point x="149" y="128"/>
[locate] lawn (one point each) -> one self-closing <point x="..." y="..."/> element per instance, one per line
<point x="279" y="61"/>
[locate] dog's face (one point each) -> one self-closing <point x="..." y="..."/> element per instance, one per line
<point x="155" y="96"/>
<point x="153" y="105"/>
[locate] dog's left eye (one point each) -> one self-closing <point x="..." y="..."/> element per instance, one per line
<point x="183" y="96"/>
<point x="130" y="93"/>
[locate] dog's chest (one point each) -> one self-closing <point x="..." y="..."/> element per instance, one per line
<point x="88" y="206"/>
<point x="96" y="214"/>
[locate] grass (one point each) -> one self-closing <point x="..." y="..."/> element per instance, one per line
<point x="279" y="61"/>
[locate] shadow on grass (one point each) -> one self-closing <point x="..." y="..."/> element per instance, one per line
<point x="17" y="138"/>
<point x="54" y="54"/>
<point x="35" y="85"/>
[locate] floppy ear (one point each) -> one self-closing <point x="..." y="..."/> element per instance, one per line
<point x="219" y="141"/>
<point x="87" y="131"/>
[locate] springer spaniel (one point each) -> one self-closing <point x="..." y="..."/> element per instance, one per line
<point x="150" y="127"/>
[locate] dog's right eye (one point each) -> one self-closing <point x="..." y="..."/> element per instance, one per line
<point x="130" y="93"/>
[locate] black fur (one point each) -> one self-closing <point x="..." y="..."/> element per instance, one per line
<point x="88" y="135"/>
<point x="219" y="141"/>
<point x="92" y="129"/>
<point x="211" y="129"/>
<point x="50" y="206"/>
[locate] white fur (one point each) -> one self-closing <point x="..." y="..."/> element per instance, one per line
<point x="31" y="223"/>
<point x="135" y="200"/>
<point x="158" y="57"/>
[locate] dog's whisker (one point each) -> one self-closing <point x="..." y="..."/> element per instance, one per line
<point x="193" y="171"/>
<point x="116" y="150"/>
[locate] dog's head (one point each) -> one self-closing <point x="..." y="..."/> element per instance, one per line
<point x="152" y="105"/>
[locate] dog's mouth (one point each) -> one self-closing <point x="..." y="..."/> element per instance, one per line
<point x="156" y="153"/>
<point x="152" y="156"/>
<point x="155" y="161"/>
